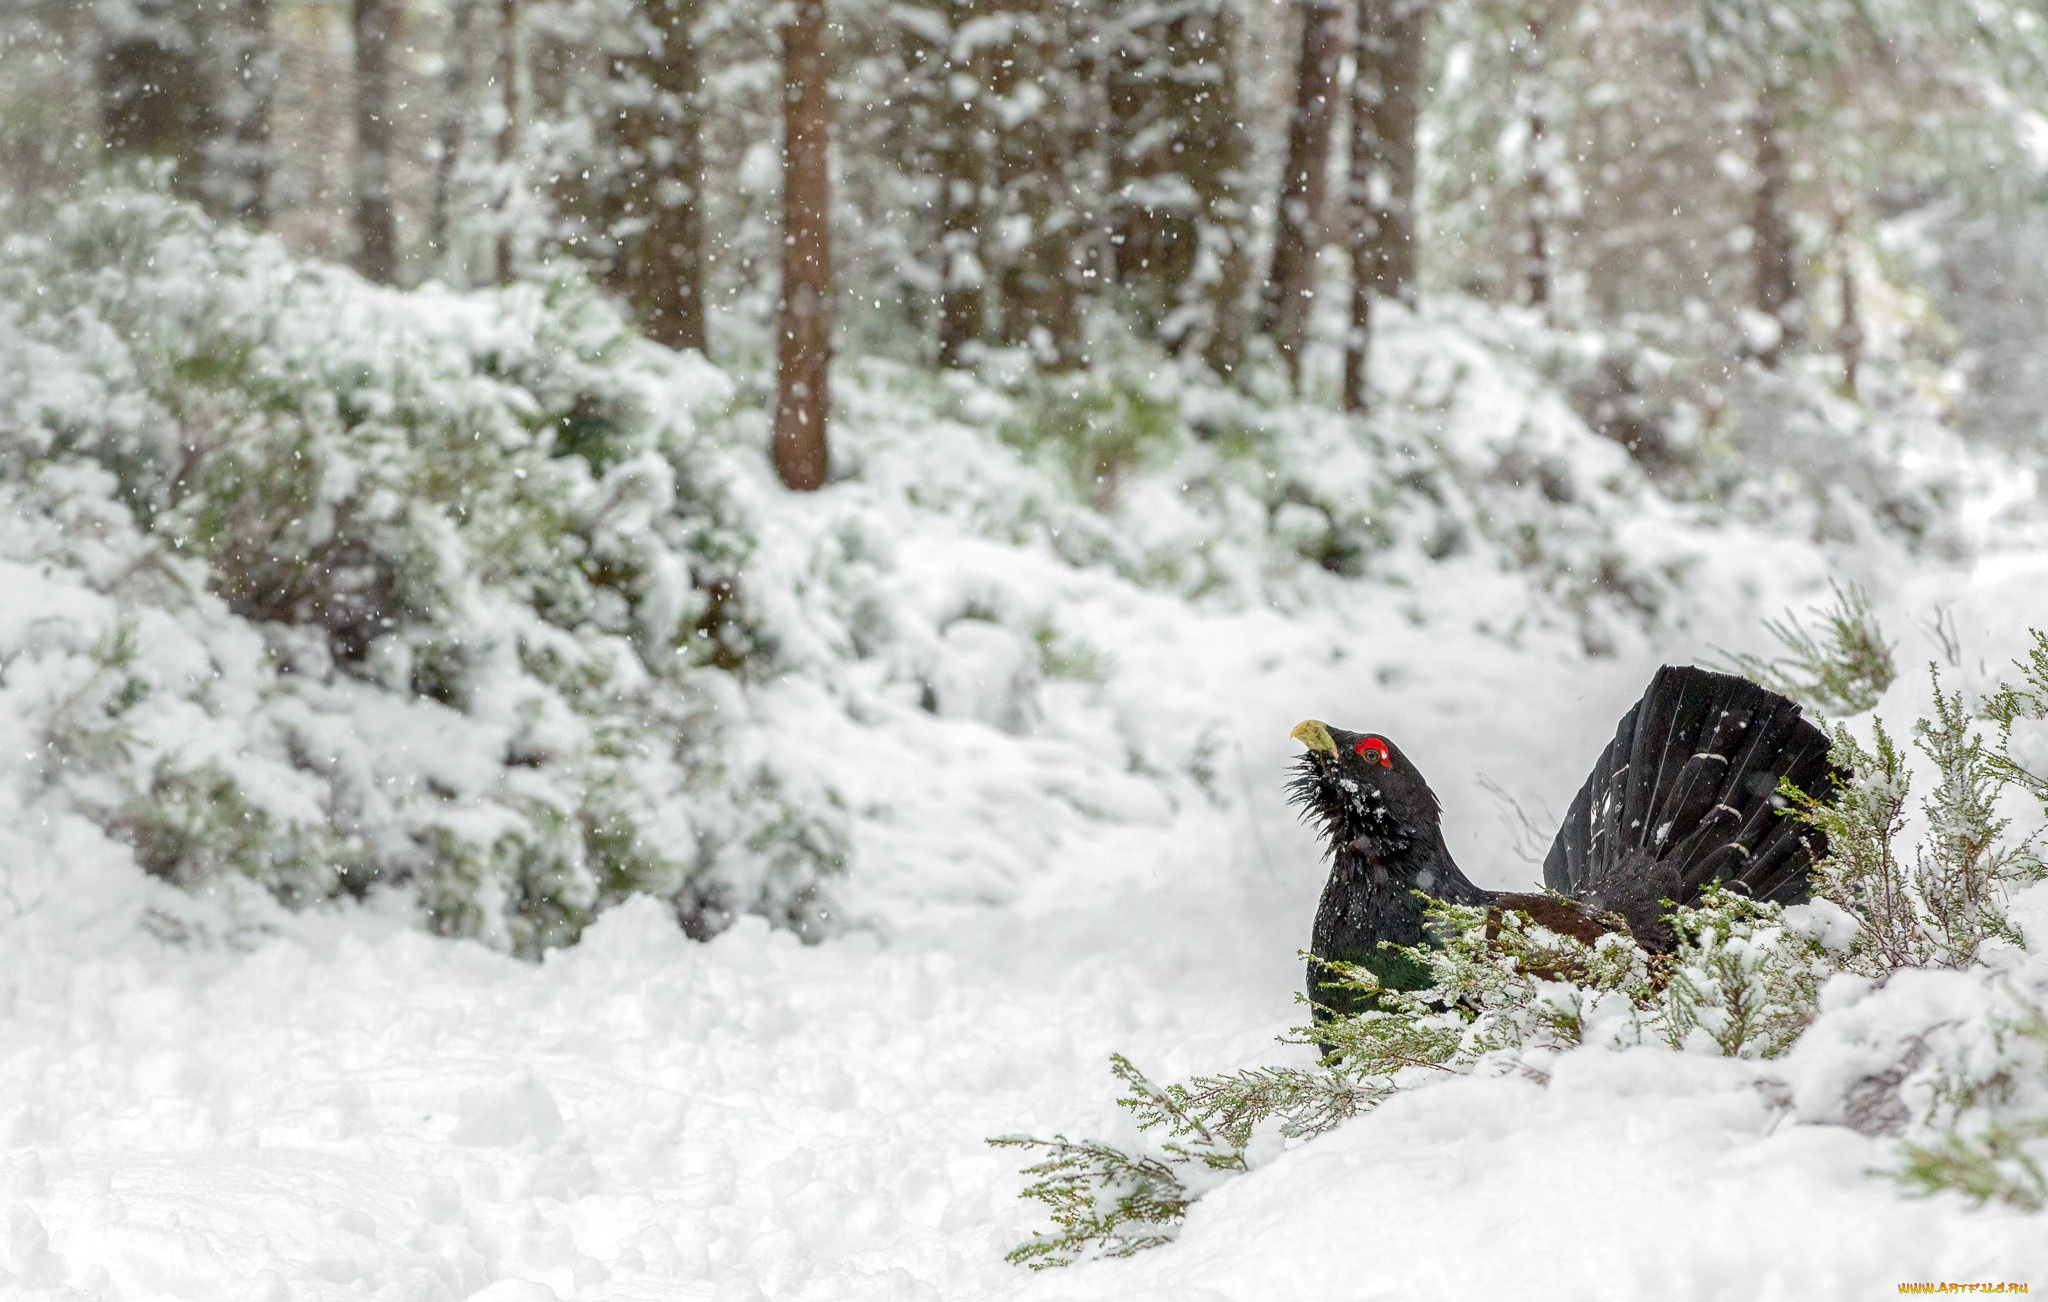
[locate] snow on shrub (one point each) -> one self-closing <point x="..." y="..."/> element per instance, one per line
<point x="349" y="587"/>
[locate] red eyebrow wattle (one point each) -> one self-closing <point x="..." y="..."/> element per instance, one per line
<point x="1377" y="748"/>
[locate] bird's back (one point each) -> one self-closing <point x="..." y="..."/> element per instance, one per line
<point x="1686" y="794"/>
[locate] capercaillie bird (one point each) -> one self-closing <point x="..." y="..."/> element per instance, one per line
<point x="1685" y="795"/>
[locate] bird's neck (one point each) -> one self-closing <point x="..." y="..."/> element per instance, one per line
<point x="1397" y="866"/>
<point x="1378" y="895"/>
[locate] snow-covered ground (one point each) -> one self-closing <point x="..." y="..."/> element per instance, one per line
<point x="210" y="1098"/>
<point x="350" y="1108"/>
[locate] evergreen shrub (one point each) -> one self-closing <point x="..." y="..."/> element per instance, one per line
<point x="466" y="569"/>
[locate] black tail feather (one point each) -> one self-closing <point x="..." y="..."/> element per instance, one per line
<point x="1686" y="794"/>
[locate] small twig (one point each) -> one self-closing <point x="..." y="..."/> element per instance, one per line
<point x="1940" y="629"/>
<point x="1527" y="836"/>
<point x="1420" y="1062"/>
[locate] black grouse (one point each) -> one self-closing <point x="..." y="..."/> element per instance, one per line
<point x="1685" y="795"/>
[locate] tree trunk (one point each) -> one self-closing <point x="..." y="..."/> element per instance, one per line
<point x="508" y="131"/>
<point x="663" y="266"/>
<point x="1536" y="255"/>
<point x="1777" y="277"/>
<point x="1290" y="283"/>
<point x="376" y="224"/>
<point x="1386" y="104"/>
<point x="1849" y="331"/>
<point x="153" y="96"/>
<point x="1360" y="210"/>
<point x="1217" y="149"/>
<point x="241" y="166"/>
<point x="963" y="185"/>
<point x="1358" y="346"/>
<point x="1397" y="114"/>
<point x="803" y="399"/>
<point x="193" y="83"/>
<point x="1536" y="196"/>
<point x="1228" y="236"/>
<point x="1172" y="137"/>
<point x="1036" y="164"/>
<point x="448" y="136"/>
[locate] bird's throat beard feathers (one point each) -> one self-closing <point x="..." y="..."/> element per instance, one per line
<point x="1359" y="829"/>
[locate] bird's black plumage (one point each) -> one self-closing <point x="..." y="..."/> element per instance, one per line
<point x="1685" y="795"/>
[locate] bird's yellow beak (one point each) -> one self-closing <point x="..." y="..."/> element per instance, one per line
<point x="1314" y="734"/>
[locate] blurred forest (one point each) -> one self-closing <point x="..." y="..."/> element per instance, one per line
<point x="1240" y="182"/>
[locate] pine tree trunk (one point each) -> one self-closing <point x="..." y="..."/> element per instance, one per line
<point x="1175" y="142"/>
<point x="1135" y="137"/>
<point x="1228" y="235"/>
<point x="1361" y="229"/>
<point x="963" y="184"/>
<point x="1037" y="158"/>
<point x="1849" y="331"/>
<point x="1536" y="195"/>
<point x="1290" y="282"/>
<point x="1386" y="106"/>
<point x="457" y="69"/>
<point x="1358" y="348"/>
<point x="803" y="399"/>
<point x="1777" y="283"/>
<point x="1397" y="56"/>
<point x="1217" y="153"/>
<point x="1172" y="138"/>
<point x="663" y="268"/>
<point x="508" y="131"/>
<point x="242" y="163"/>
<point x="153" y="94"/>
<point x="376" y="223"/>
<point x="1043" y="175"/>
<point x="1536" y="254"/>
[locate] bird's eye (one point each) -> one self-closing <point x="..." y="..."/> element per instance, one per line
<point x="1374" y="748"/>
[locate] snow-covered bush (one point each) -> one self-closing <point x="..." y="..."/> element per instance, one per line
<point x="1782" y="443"/>
<point x="1100" y="428"/>
<point x="434" y="589"/>
<point x="1984" y="1130"/>
<point x="1152" y="468"/>
<point x="1941" y="903"/>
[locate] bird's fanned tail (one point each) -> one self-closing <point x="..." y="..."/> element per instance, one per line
<point x="1686" y="794"/>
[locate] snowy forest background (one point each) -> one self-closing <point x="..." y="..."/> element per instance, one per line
<point x="499" y="493"/>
